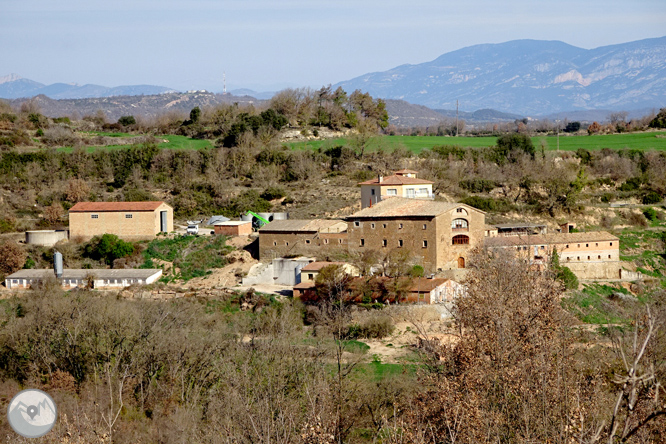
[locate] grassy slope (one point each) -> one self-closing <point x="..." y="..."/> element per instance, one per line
<point x="641" y="141"/>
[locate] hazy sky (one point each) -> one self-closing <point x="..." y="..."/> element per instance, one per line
<point x="267" y="45"/>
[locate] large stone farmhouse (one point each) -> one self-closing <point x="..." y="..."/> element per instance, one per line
<point x="440" y="234"/>
<point x="127" y="220"/>
<point x="395" y="215"/>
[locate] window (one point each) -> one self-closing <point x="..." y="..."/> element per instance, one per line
<point x="392" y="192"/>
<point x="275" y="244"/>
<point x="384" y="242"/>
<point x="425" y="244"/>
<point x="128" y="216"/>
<point x="400" y="243"/>
<point x="587" y="245"/>
<point x="567" y="246"/>
<point x="339" y="241"/>
<point x="287" y="244"/>
<point x="372" y="191"/>
<point x="399" y="226"/>
<point x="423" y="191"/>
<point x="383" y="225"/>
<point x="460" y="239"/>
<point x="611" y="244"/>
<point x="459" y="224"/>
<point x="310" y="276"/>
<point x="568" y="259"/>
<point x="596" y="244"/>
<point x="578" y="245"/>
<point x="461" y="211"/>
<point x="357" y="223"/>
<point x="599" y="257"/>
<point x="94" y="216"/>
<point x="578" y="258"/>
<point x="609" y="256"/>
<point x="307" y="241"/>
<point x="588" y="258"/>
<point x="372" y="226"/>
<point x="325" y="241"/>
<point x="424" y="226"/>
<point x="362" y="243"/>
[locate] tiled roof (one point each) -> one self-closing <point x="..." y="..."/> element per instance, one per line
<point x="398" y="206"/>
<point x="406" y="171"/>
<point x="101" y="207"/>
<point x="316" y="266"/>
<point x="313" y="225"/>
<point x="396" y="180"/>
<point x="547" y="239"/>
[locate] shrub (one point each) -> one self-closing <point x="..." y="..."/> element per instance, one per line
<point x="650" y="198"/>
<point x="487" y="203"/>
<point x="12" y="257"/>
<point x="478" y="185"/>
<point x="127" y="120"/>
<point x="417" y="271"/>
<point x="567" y="277"/>
<point x="107" y="248"/>
<point x="272" y="193"/>
<point x="650" y="214"/>
<point x="631" y="184"/>
<point x="374" y="326"/>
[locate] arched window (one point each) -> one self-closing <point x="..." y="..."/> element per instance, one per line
<point x="459" y="225"/>
<point x="460" y="239"/>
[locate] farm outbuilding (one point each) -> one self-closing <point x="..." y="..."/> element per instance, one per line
<point x="127" y="220"/>
<point x="233" y="228"/>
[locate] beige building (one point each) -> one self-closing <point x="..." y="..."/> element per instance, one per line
<point x="439" y="234"/>
<point x="403" y="183"/>
<point x="310" y="272"/>
<point x="295" y="237"/>
<point x="127" y="220"/>
<point x="591" y="255"/>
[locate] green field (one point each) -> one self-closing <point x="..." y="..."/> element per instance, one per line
<point x="640" y="141"/>
<point x="174" y="143"/>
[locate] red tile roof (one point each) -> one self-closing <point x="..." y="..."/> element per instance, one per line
<point x="101" y="207"/>
<point x="396" y="180"/>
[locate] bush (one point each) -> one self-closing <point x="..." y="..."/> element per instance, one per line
<point x="650" y="214"/>
<point x="416" y="271"/>
<point x="12" y="257"/>
<point x="631" y="184"/>
<point x="127" y="121"/>
<point x="651" y="198"/>
<point x="567" y="277"/>
<point x="478" y="185"/>
<point x="487" y="203"/>
<point x="272" y="193"/>
<point x="374" y="326"/>
<point x="107" y="248"/>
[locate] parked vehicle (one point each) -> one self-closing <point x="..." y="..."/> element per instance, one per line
<point x="192" y="229"/>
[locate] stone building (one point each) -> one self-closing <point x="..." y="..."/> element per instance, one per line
<point x="233" y="228"/>
<point x="591" y="255"/>
<point x="295" y="237"/>
<point x="439" y="234"/>
<point x="127" y="220"/>
<point x="403" y="183"/>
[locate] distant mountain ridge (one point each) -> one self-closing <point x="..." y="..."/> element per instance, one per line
<point x="14" y="86"/>
<point x="529" y="77"/>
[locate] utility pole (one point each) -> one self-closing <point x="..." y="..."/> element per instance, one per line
<point x="456" y="117"/>
<point x="224" y="77"/>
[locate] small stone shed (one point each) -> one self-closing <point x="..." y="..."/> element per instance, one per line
<point x="233" y="227"/>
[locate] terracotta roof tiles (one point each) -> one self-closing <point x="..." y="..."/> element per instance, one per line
<point x="398" y="206"/>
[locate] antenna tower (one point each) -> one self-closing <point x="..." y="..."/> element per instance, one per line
<point x="224" y="80"/>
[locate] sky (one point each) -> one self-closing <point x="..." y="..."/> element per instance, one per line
<point x="267" y="45"/>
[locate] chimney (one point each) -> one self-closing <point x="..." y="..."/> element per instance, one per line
<point x="381" y="178"/>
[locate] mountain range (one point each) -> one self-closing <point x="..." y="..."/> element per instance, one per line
<point x="529" y="77"/>
<point x="14" y="86"/>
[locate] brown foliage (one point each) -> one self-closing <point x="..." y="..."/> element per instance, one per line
<point x="12" y="257"/>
